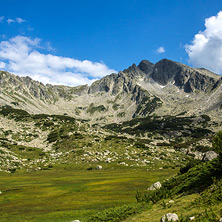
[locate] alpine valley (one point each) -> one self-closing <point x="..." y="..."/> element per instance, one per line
<point x="89" y="153"/>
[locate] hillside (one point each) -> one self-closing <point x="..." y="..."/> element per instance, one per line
<point x="93" y="147"/>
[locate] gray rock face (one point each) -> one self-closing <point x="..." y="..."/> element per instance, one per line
<point x="209" y="155"/>
<point x="170" y="217"/>
<point x="155" y="186"/>
<point x="165" y="71"/>
<point x="183" y="76"/>
<point x="146" y="66"/>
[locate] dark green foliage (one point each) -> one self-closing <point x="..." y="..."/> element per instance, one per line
<point x="15" y="103"/>
<point x="64" y="118"/>
<point x="48" y="123"/>
<point x="147" y="106"/>
<point x="207" y="216"/>
<point x="53" y="136"/>
<point x="140" y="145"/>
<point x="206" y="118"/>
<point x="193" y="179"/>
<point x="115" y="106"/>
<point x="18" y="114"/>
<point x="217" y="143"/>
<point x="191" y="163"/>
<point x="110" y="137"/>
<point x="118" y="213"/>
<point x="122" y="114"/>
<point x="190" y="132"/>
<point x="202" y="148"/>
<point x="92" y="109"/>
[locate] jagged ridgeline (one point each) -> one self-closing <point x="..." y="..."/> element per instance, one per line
<point x="164" y="88"/>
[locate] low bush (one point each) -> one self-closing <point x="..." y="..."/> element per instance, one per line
<point x="119" y="213"/>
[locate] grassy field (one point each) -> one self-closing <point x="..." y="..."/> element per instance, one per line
<point x="68" y="195"/>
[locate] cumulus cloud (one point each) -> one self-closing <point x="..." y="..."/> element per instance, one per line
<point x="9" y="21"/>
<point x="21" y="56"/>
<point x="16" y="20"/>
<point x="160" y="50"/>
<point x="20" y="20"/>
<point x="205" y="49"/>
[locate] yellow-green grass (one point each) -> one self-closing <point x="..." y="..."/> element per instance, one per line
<point x="183" y="206"/>
<point x="64" y="195"/>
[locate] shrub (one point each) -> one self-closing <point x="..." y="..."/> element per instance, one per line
<point x="118" y="213"/>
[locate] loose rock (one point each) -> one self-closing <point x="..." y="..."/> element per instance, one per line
<point x="99" y="167"/>
<point x="209" y="155"/>
<point x="155" y="186"/>
<point x="169" y="217"/>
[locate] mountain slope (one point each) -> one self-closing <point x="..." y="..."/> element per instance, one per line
<point x="166" y="87"/>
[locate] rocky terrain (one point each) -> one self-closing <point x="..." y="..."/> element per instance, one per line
<point x="166" y="87"/>
<point x="151" y="117"/>
<point x="146" y="115"/>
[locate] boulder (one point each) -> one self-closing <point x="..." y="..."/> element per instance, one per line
<point x="155" y="186"/>
<point x="198" y="155"/>
<point x="99" y="167"/>
<point x="209" y="155"/>
<point x="170" y="217"/>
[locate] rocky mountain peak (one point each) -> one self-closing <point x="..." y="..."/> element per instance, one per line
<point x="165" y="70"/>
<point x="146" y="66"/>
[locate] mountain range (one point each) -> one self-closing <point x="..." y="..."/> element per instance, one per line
<point x="164" y="88"/>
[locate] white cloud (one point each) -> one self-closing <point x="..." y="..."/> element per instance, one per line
<point x="21" y="56"/>
<point x="2" y="18"/>
<point x="206" y="47"/>
<point x="17" y="20"/>
<point x="20" y="20"/>
<point x="160" y="50"/>
<point x="2" y="65"/>
<point x="9" y="21"/>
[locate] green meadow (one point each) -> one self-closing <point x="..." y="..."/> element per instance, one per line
<point x="62" y="195"/>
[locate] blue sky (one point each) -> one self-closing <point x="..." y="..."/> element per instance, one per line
<point x="75" y="42"/>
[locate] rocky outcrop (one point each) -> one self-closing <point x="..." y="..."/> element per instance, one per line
<point x="184" y="77"/>
<point x="146" y="67"/>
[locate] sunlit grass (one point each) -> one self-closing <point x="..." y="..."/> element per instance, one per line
<point x="67" y="195"/>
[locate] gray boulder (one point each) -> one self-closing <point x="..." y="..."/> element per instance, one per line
<point x="209" y="155"/>
<point x="170" y="217"/>
<point x="198" y="155"/>
<point x="155" y="186"/>
<point x="99" y="167"/>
